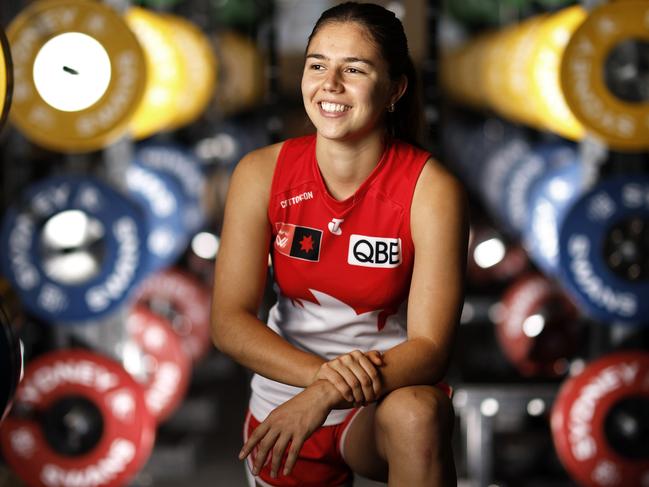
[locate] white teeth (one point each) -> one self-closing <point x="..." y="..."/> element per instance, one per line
<point x="333" y="107"/>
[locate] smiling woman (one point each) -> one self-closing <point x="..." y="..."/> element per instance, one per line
<point x="362" y="224"/>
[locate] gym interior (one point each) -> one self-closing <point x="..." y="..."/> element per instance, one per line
<point x="121" y="123"/>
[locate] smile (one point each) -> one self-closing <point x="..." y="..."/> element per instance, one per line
<point x="333" y="107"/>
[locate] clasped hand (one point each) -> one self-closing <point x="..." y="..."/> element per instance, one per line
<point x="284" y="431"/>
<point x="355" y="375"/>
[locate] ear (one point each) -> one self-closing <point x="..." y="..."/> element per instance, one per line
<point x="399" y="87"/>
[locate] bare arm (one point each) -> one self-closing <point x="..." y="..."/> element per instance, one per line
<point x="440" y="232"/>
<point x="240" y="277"/>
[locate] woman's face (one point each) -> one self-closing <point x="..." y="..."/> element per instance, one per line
<point x="346" y="87"/>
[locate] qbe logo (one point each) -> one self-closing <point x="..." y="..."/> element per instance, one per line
<point x="374" y="251"/>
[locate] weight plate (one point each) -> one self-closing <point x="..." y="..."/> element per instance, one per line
<point x="166" y="80"/>
<point x="72" y="247"/>
<point x="165" y="368"/>
<point x="241" y="76"/>
<point x="228" y="142"/>
<point x="497" y="57"/>
<point x="549" y="198"/>
<point x="492" y="259"/>
<point x="538" y="330"/>
<point x="523" y="175"/>
<point x="514" y="102"/>
<point x="162" y="200"/>
<point x="546" y="90"/>
<point x="79" y="420"/>
<point x="185" y="302"/>
<point x="599" y="422"/>
<point x="470" y="142"/>
<point x="197" y="59"/>
<point x="495" y="170"/>
<point x="461" y="71"/>
<point x="185" y="168"/>
<point x="79" y="74"/>
<point x="603" y="250"/>
<point x="6" y="78"/>
<point x="590" y="73"/>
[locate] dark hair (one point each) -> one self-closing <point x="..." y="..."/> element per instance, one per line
<point x="386" y="31"/>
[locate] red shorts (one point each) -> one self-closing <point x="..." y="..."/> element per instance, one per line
<point x="319" y="462"/>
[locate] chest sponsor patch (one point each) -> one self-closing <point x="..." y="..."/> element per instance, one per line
<point x="298" y="242"/>
<point x="367" y="251"/>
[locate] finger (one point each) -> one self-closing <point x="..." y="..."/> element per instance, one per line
<point x="338" y="382"/>
<point x="293" y="452"/>
<point x="350" y="379"/>
<point x="255" y="437"/>
<point x="265" y="446"/>
<point x="278" y="454"/>
<point x="363" y="371"/>
<point x="373" y="375"/>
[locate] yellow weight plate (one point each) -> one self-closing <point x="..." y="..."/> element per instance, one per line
<point x="241" y="83"/>
<point x="461" y="72"/>
<point x="517" y="69"/>
<point x="6" y="78"/>
<point x="79" y="74"/>
<point x="547" y="94"/>
<point x="621" y="124"/>
<point x="451" y="73"/>
<point x="494" y="62"/>
<point x="166" y="78"/>
<point x="200" y="65"/>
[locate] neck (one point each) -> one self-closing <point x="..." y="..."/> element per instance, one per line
<point x="345" y="165"/>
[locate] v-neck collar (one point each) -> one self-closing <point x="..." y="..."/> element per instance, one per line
<point x="342" y="206"/>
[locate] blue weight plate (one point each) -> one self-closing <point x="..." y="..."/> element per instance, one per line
<point x="522" y="176"/>
<point x="185" y="168"/>
<point x="549" y="199"/>
<point x="466" y="143"/>
<point x="604" y="250"/>
<point x="481" y="152"/>
<point x="74" y="266"/>
<point x="227" y="143"/>
<point x="495" y="170"/>
<point x="162" y="200"/>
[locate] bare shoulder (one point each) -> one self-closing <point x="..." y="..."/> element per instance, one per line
<point x="257" y="167"/>
<point x="438" y="189"/>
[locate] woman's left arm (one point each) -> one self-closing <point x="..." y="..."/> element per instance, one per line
<point x="439" y="228"/>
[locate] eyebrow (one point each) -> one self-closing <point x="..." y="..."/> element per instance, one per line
<point x="350" y="59"/>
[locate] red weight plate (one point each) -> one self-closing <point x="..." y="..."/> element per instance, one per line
<point x="165" y="366"/>
<point x="483" y="266"/>
<point x="183" y="300"/>
<point x="599" y="422"/>
<point x="539" y="327"/>
<point x="33" y="436"/>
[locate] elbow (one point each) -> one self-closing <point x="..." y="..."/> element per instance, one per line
<point x="218" y="331"/>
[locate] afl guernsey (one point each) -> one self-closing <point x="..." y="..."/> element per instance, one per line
<point x="342" y="268"/>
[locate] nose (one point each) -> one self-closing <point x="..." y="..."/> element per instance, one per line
<point x="332" y="81"/>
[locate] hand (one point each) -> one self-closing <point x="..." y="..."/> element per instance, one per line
<point x="289" y="426"/>
<point x="354" y="375"/>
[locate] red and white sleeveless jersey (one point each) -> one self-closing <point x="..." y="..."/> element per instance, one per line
<point x="342" y="268"/>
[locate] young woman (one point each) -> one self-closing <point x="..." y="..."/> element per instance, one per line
<point x="362" y="225"/>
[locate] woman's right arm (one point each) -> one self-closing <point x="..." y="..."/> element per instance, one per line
<point x="240" y="278"/>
